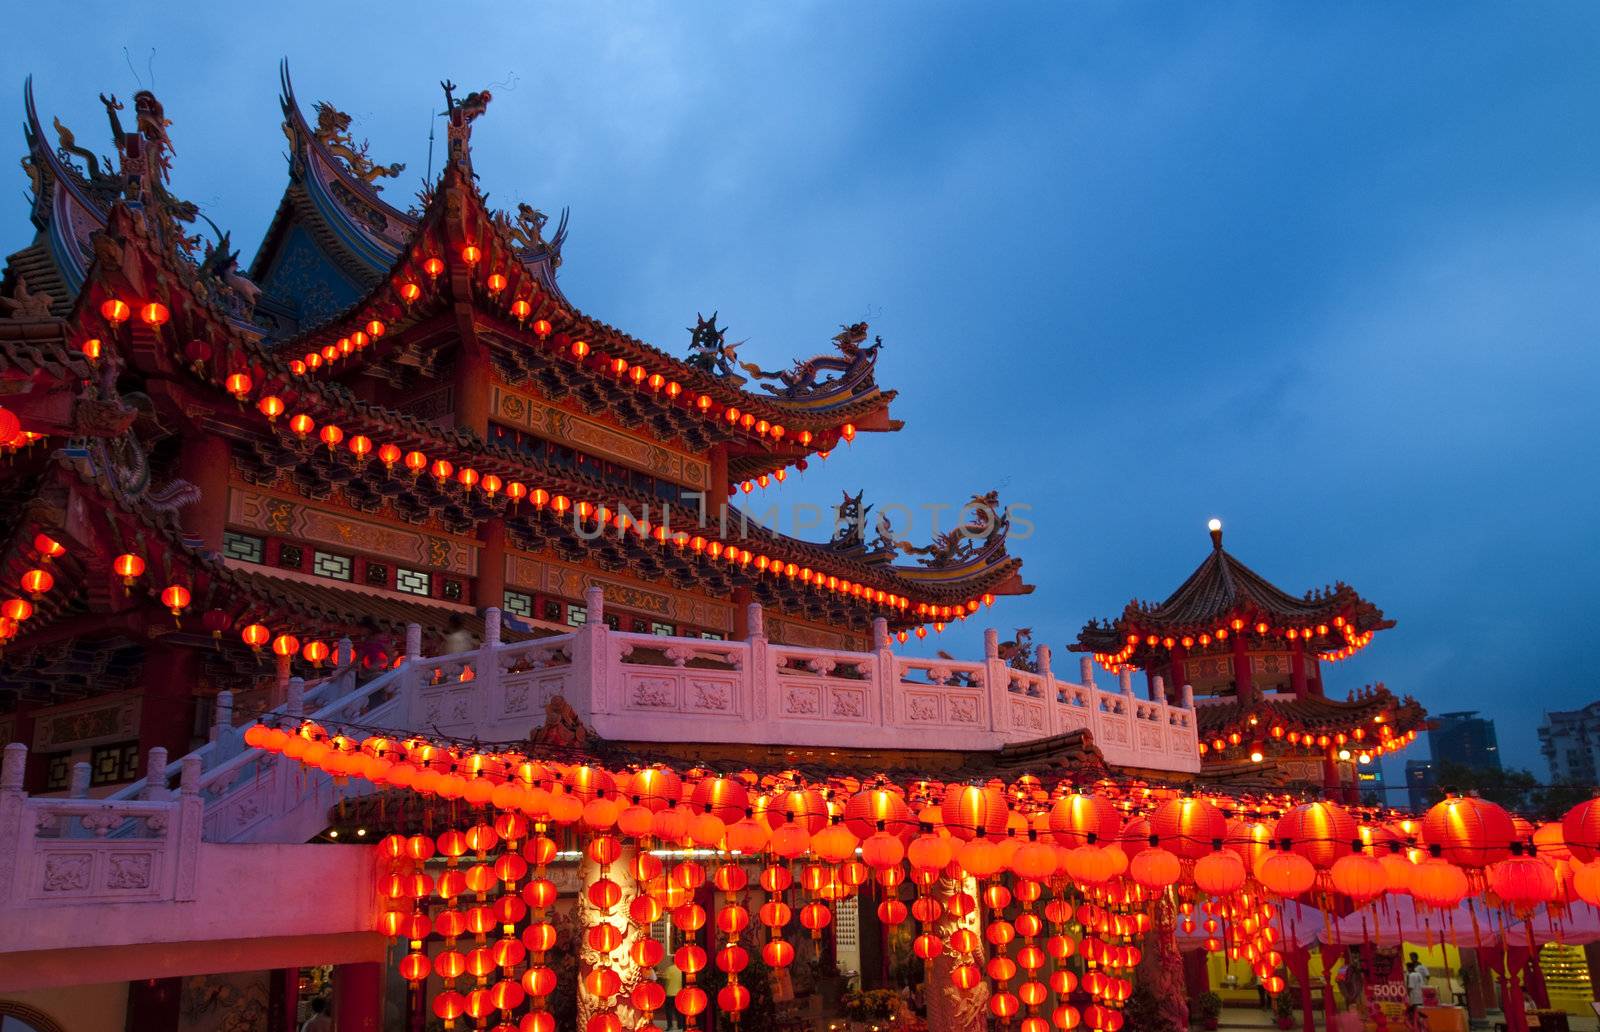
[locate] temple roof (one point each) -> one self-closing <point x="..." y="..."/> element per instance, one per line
<point x="1373" y="721"/>
<point x="1224" y="595"/>
<point x="182" y="363"/>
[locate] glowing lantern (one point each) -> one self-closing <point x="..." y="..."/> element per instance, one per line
<point x="433" y="266"/>
<point x="541" y="328"/>
<point x="1079" y="819"/>
<point x="1286" y="874"/>
<point x="970" y="811"/>
<point x="580" y="349"/>
<point x="1320" y="832"/>
<point x="1438" y="883"/>
<point x="18" y="609"/>
<point x="1580" y="830"/>
<point x="255" y="636"/>
<point x="36" y="582"/>
<point x="1523" y="882"/>
<point x="331" y="436"/>
<point x="441" y="470"/>
<point x="1469" y="831"/>
<point x="90" y="349"/>
<point x="470" y="254"/>
<point x="114" y="311"/>
<point x="360" y="446"/>
<point x="416" y="462"/>
<point x="1155" y="868"/>
<point x="521" y="309"/>
<point x="497" y="283"/>
<point x="155" y="315"/>
<point x="128" y="566"/>
<point x="302" y="424"/>
<point x="176" y="598"/>
<point x="314" y="652"/>
<point x="238" y="385"/>
<point x="48" y="547"/>
<point x="270" y="406"/>
<point x="1219" y="873"/>
<point x="409" y="292"/>
<point x="1360" y="877"/>
<point x="285" y="645"/>
<point x="1191" y="828"/>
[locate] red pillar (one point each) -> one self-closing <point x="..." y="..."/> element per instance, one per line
<point x="1241" y="670"/>
<point x="358" y="997"/>
<point x="492" y="564"/>
<point x="283" y="1000"/>
<point x="204" y="461"/>
<point x="1179" y="673"/>
<point x="1297" y="668"/>
<point x="717" y="490"/>
<point x="153" y="1004"/>
<point x="166" y="712"/>
<point x="741" y="613"/>
<point x="471" y="388"/>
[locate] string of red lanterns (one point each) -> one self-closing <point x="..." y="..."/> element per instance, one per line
<point x="1087" y="866"/>
<point x="1354" y="641"/>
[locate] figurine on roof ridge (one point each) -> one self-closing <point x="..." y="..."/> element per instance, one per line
<point x="462" y="113"/>
<point x="709" y="351"/>
<point x="853" y="364"/>
<point x="987" y="523"/>
<point x="333" y="132"/>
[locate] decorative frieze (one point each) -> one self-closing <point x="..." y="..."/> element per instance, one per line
<point x="565" y="580"/>
<point x="790" y="632"/>
<point x="87" y="723"/>
<point x="595" y="438"/>
<point x="293" y="518"/>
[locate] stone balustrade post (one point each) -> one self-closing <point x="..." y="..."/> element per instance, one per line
<point x="1125" y="681"/>
<point x="763" y="674"/>
<point x="78" y="788"/>
<point x="294" y="705"/>
<point x="1047" y="685"/>
<point x="222" y="718"/>
<point x="486" y="670"/>
<point x="1158" y="689"/>
<point x="1188" y="696"/>
<point x="591" y="659"/>
<point x="888" y="679"/>
<point x="280" y="683"/>
<point x="15" y="834"/>
<point x="186" y="830"/>
<point x="413" y="642"/>
<point x="155" y="774"/>
<point x="997" y="682"/>
<point x="344" y="653"/>
<point x="1086" y="671"/>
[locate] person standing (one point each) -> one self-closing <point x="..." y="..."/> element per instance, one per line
<point x="456" y="636"/>
<point x="319" y="1020"/>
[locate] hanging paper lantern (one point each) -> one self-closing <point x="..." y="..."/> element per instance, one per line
<point x="1320" y="832"/>
<point x="1081" y="819"/>
<point x="1155" y="868"/>
<point x="1438" y="883"/>
<point x="1219" y="873"/>
<point x="1359" y="877"/>
<point x="1580" y="830"/>
<point x="1523" y="882"/>
<point x="879" y="809"/>
<point x="1286" y="874"/>
<point x="1190" y="828"/>
<point x="969" y="811"/>
<point x="1469" y="831"/>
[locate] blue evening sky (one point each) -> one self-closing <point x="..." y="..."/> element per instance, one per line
<point x="1330" y="272"/>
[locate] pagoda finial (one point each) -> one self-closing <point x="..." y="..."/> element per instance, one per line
<point x="461" y="114"/>
<point x="1215" y="526"/>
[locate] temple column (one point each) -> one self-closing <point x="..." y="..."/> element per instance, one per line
<point x="741" y="613"/>
<point x="283" y="1000"/>
<point x="153" y="1004"/>
<point x="204" y="461"/>
<point x="717" y="491"/>
<point x="470" y="388"/>
<point x="619" y="960"/>
<point x="1297" y="668"/>
<point x="1180" y="672"/>
<point x="358" y="997"/>
<point x="166" y="710"/>
<point x="491" y="564"/>
<point x="1242" y="678"/>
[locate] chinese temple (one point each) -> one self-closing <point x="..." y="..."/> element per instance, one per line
<point x="381" y="634"/>
<point x="1250" y="656"/>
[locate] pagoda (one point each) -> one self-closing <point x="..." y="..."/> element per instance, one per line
<point x="1251" y="657"/>
<point x="391" y="417"/>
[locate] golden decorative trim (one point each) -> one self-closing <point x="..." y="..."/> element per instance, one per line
<point x="564" y="427"/>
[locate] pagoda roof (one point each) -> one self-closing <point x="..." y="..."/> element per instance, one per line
<point x="1223" y="593"/>
<point x="200" y="340"/>
<point x="1373" y="720"/>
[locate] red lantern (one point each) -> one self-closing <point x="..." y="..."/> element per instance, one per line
<point x="1469" y="831"/>
<point x="176" y="598"/>
<point x="1191" y="828"/>
<point x="1081" y="819"/>
<point x="1320" y="832"/>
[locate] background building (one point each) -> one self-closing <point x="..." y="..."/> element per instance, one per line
<point x="1464" y="738"/>
<point x="1570" y="741"/>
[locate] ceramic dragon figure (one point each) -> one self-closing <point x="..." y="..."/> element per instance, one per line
<point x="853" y="363"/>
<point x="333" y="132"/>
<point x="462" y="113"/>
<point x="984" y="524"/>
<point x="145" y="167"/>
<point x="709" y="350"/>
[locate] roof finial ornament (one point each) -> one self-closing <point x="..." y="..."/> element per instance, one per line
<point x="461" y="114"/>
<point x="1215" y="526"/>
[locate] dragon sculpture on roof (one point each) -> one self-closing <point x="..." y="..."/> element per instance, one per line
<point x="851" y="366"/>
<point x="461" y="114"/>
<point x="333" y="132"/>
<point x="985" y="524"/>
